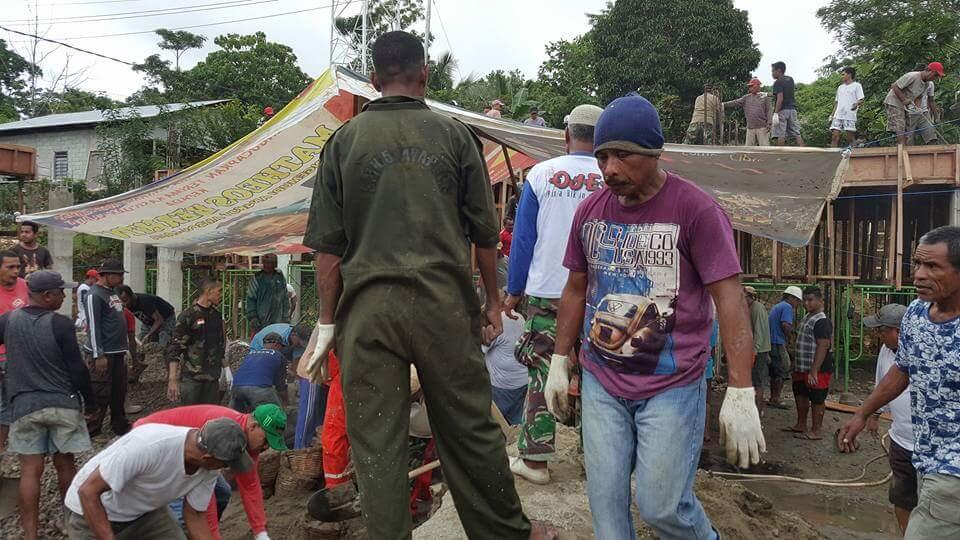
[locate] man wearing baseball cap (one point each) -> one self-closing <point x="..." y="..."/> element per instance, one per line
<point x="781" y="327"/>
<point x="123" y="491"/>
<point x="554" y="190"/>
<point x="903" y="485"/>
<point x="904" y="97"/>
<point x="645" y="256"/>
<point x="757" y="110"/>
<point x="496" y="109"/>
<point x="264" y="429"/>
<point x="48" y="384"/>
<point x="107" y="342"/>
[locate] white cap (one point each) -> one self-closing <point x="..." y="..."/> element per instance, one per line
<point x="584" y="115"/>
<point x="794" y="291"/>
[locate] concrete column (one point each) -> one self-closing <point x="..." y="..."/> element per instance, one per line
<point x="135" y="262"/>
<point x="170" y="276"/>
<point x="955" y="208"/>
<point x="60" y="244"/>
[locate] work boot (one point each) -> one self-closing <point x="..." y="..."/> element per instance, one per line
<point x="536" y="476"/>
<point x="338" y="503"/>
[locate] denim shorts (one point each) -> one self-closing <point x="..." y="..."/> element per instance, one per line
<point x="53" y="430"/>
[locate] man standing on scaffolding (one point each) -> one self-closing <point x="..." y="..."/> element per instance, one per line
<point x="707" y="115"/>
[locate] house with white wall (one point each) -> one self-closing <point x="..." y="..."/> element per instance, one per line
<point x="67" y="143"/>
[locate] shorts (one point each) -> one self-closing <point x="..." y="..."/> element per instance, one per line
<point x="936" y="513"/>
<point x="789" y="126"/>
<point x="840" y="124"/>
<point x="4" y="406"/>
<point x="53" y="430"/>
<point x="816" y="394"/>
<point x="761" y="370"/>
<point x="896" y="118"/>
<point x="779" y="363"/>
<point x="903" y="486"/>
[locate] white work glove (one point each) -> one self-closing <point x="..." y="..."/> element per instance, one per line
<point x="262" y="535"/>
<point x="912" y="108"/>
<point x="226" y="378"/>
<point x="740" y="427"/>
<point x="558" y="383"/>
<point x="322" y="346"/>
<point x="776" y="119"/>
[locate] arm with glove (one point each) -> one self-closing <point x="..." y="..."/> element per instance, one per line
<point x="569" y="320"/>
<point x="329" y="286"/>
<point x="740" y="427"/>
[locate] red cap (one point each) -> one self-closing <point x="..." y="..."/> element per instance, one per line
<point x="936" y="67"/>
<point x="754" y="82"/>
<point x="268" y="111"/>
<point x="91" y="273"/>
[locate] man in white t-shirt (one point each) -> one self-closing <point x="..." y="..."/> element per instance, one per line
<point x="849" y="99"/>
<point x="123" y="491"/>
<point x="554" y="190"/>
<point x="903" y="486"/>
<point x="92" y="277"/>
<point x="508" y="378"/>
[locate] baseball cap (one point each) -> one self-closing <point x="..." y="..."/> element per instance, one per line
<point x="794" y="291"/>
<point x="584" y="115"/>
<point x="496" y="102"/>
<point x="272" y="337"/>
<point x="273" y="421"/>
<point x="92" y="273"/>
<point x="754" y="82"/>
<point x="225" y="440"/>
<point x="749" y="290"/>
<point x="889" y="315"/>
<point x="47" y="280"/>
<point x="936" y="67"/>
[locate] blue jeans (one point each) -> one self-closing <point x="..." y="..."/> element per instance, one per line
<point x="510" y="403"/>
<point x="221" y="493"/>
<point x="659" y="439"/>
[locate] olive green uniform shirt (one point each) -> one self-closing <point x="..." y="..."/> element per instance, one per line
<point x="400" y="195"/>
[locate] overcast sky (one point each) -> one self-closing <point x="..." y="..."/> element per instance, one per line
<point x="483" y="36"/>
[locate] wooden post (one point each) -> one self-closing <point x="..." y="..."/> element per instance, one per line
<point x="777" y="262"/>
<point x="831" y="241"/>
<point x="851" y="241"/>
<point x="506" y="159"/>
<point x="503" y="202"/>
<point x="898" y="231"/>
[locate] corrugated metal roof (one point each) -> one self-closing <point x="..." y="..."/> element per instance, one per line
<point x="95" y="117"/>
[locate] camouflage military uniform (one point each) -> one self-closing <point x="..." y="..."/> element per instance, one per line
<point x="538" y="433"/>
<point x="199" y="345"/>
<point x="699" y="133"/>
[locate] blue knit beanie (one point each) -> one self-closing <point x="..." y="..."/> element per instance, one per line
<point x="630" y="123"/>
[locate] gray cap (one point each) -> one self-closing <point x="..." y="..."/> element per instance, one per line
<point x="225" y="440"/>
<point x="584" y="115"/>
<point x="47" y="280"/>
<point x="889" y="315"/>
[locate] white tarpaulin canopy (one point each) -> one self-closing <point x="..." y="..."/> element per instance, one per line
<point x="254" y="196"/>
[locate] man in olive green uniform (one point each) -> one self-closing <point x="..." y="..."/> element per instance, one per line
<point x="197" y="350"/>
<point x="267" y="300"/>
<point x="401" y="194"/>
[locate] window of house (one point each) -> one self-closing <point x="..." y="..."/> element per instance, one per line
<point x="60" y="166"/>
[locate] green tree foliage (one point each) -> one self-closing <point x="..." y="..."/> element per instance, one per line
<point x="817" y="101"/>
<point x="566" y="79"/>
<point x="248" y="68"/>
<point x="383" y="16"/>
<point x="671" y="48"/>
<point x="13" y="70"/>
<point x="128" y="149"/>
<point x="885" y="39"/>
<point x="179" y="41"/>
<point x="72" y="100"/>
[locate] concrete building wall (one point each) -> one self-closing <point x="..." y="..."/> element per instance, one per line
<point x="77" y="143"/>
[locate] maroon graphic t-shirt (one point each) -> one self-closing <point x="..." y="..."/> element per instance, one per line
<point x="648" y="314"/>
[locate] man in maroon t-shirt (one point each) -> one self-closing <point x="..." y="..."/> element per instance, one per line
<point x="13" y="295"/>
<point x="646" y="255"/>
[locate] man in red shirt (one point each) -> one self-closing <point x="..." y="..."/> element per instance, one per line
<point x="506" y="237"/>
<point x="13" y="295"/>
<point x="264" y="428"/>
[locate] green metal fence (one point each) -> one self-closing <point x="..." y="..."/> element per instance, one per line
<point x="859" y="344"/>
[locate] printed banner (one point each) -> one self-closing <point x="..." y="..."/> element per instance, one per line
<point x="253" y="197"/>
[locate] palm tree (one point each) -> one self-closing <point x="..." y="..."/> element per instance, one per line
<point x="441" y="72"/>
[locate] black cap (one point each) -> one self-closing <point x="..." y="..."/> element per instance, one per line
<point x="112" y="266"/>
<point x="47" y="280"/>
<point x="225" y="440"/>
<point x="273" y="337"/>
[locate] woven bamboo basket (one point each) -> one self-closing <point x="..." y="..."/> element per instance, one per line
<point x="307" y="462"/>
<point x="268" y="467"/>
<point x="290" y="482"/>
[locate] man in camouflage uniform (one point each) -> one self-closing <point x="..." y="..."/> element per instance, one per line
<point x="267" y="300"/>
<point x="707" y="115"/>
<point x="554" y="191"/>
<point x="198" y="350"/>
